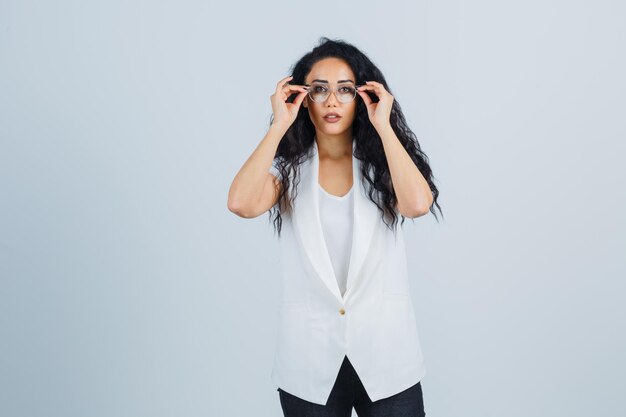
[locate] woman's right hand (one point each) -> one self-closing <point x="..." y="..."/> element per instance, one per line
<point x="285" y="113"/>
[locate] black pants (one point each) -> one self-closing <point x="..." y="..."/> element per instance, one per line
<point x="349" y="392"/>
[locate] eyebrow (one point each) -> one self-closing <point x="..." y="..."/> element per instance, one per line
<point x="340" y="81"/>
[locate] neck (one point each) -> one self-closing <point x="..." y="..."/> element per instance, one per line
<point x="334" y="146"/>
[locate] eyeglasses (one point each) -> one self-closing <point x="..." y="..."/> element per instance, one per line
<point x="320" y="92"/>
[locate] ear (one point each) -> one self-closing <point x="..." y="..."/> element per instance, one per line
<point x="304" y="102"/>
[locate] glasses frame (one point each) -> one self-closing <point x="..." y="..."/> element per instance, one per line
<point x="333" y="91"/>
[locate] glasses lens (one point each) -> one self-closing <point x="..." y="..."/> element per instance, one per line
<point x="345" y="93"/>
<point x="320" y="92"/>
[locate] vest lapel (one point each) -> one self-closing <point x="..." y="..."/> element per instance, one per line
<point x="307" y="219"/>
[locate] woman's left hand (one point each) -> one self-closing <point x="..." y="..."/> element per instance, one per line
<point x="378" y="112"/>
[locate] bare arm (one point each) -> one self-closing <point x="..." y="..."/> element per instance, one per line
<point x="412" y="190"/>
<point x="254" y="190"/>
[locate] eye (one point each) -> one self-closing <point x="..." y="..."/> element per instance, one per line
<point x="346" y="89"/>
<point x="318" y="89"/>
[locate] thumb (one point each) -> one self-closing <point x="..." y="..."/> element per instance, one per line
<point x="300" y="98"/>
<point x="366" y="98"/>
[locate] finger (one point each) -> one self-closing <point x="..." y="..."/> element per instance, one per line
<point x="378" y="90"/>
<point x="368" y="89"/>
<point x="297" y="94"/>
<point x="282" y="82"/>
<point x="377" y="85"/>
<point x="299" y="98"/>
<point x="293" y="87"/>
<point x="287" y="92"/>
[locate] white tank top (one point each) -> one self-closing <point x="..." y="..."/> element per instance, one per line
<point x="336" y="216"/>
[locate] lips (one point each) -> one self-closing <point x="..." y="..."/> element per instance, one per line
<point x="332" y="114"/>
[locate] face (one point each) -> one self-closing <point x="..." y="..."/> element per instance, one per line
<point x="331" y="73"/>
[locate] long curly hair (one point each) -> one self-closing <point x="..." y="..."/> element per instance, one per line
<point x="295" y="146"/>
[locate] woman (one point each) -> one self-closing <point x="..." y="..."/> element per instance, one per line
<point x="339" y="165"/>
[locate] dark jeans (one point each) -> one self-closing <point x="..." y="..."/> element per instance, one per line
<point x="349" y="392"/>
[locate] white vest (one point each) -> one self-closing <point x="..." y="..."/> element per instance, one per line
<point x="373" y="323"/>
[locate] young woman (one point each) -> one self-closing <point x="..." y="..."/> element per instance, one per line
<point x="336" y="170"/>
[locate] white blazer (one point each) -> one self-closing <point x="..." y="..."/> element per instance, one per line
<point x="373" y="323"/>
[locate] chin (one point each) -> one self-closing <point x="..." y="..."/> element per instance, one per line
<point x="334" y="130"/>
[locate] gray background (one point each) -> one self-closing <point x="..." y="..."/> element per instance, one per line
<point x="128" y="289"/>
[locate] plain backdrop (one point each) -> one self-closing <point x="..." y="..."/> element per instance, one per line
<point x="128" y="289"/>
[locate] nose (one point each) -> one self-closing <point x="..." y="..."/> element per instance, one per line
<point x="332" y="99"/>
